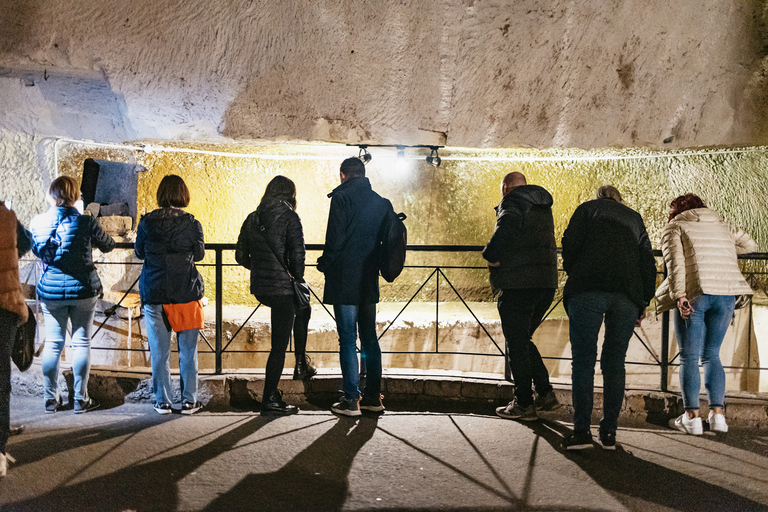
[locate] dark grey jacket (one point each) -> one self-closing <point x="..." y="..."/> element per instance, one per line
<point x="606" y="248"/>
<point x="283" y="229"/>
<point x="524" y="241"/>
<point x="349" y="260"/>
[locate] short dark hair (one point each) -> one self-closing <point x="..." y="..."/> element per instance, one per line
<point x="352" y="166"/>
<point x="64" y="191"/>
<point x="172" y="192"/>
<point x="280" y="188"/>
<point x="683" y="203"/>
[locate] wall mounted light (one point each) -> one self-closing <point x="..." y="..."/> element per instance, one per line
<point x="433" y="159"/>
<point x="364" y="155"/>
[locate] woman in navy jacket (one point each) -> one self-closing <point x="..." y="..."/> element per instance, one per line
<point x="170" y="241"/>
<point x="69" y="287"/>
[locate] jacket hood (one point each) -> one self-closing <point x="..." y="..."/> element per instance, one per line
<point x="698" y="215"/>
<point x="533" y="194"/>
<point x="167" y="222"/>
<point x="271" y="209"/>
<point x="358" y="183"/>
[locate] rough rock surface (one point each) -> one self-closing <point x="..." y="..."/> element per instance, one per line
<point x="466" y="73"/>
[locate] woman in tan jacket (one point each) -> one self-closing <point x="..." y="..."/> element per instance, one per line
<point x="14" y="242"/>
<point x="703" y="282"/>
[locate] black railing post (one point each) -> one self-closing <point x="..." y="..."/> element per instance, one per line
<point x="664" y="350"/>
<point x="219" y="309"/>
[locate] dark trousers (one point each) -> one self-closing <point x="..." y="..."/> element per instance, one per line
<point x="7" y="336"/>
<point x="282" y="317"/>
<point x="521" y="311"/>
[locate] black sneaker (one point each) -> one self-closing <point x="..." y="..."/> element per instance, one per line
<point x="190" y="408"/>
<point x="608" y="440"/>
<point x="162" y="408"/>
<point x="513" y="411"/>
<point x="52" y="405"/>
<point x="546" y="402"/>
<point x="578" y="441"/>
<point x="82" y="406"/>
<point x="372" y="403"/>
<point x="347" y="407"/>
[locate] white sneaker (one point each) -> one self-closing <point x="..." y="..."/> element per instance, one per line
<point x="684" y="424"/>
<point x="717" y="422"/>
<point x="3" y="465"/>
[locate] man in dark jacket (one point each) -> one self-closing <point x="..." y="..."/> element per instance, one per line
<point x="522" y="258"/>
<point x="352" y="282"/>
<point x="611" y="275"/>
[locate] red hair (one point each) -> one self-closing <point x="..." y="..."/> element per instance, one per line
<point x="683" y="203"/>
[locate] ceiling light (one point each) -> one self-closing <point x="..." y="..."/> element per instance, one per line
<point x="433" y="159"/>
<point x="364" y="155"/>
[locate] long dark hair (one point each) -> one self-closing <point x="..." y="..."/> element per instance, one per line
<point x="683" y="203"/>
<point x="281" y="189"/>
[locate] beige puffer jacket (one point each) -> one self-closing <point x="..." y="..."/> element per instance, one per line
<point x="700" y="253"/>
<point x="11" y="298"/>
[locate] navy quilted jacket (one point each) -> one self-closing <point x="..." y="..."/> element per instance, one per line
<point x="170" y="241"/>
<point x="63" y="240"/>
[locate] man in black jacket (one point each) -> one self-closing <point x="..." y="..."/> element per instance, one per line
<point x="522" y="259"/>
<point x="352" y="282"/>
<point x="611" y="276"/>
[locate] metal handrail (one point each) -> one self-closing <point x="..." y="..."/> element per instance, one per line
<point x="663" y="361"/>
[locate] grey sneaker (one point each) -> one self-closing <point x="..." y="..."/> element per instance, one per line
<point x="162" y="408"/>
<point x="190" y="408"/>
<point x="372" y="403"/>
<point x="52" y="405"/>
<point x="347" y="407"/>
<point x="87" y="405"/>
<point x="546" y="402"/>
<point x="513" y="411"/>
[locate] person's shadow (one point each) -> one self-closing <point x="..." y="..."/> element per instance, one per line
<point x="149" y="485"/>
<point x="633" y="481"/>
<point x="316" y="479"/>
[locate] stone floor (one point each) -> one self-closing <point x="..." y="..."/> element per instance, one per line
<point x="130" y="458"/>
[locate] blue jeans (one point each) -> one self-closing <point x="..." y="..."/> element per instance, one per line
<point x="586" y="312"/>
<point x="349" y="321"/>
<point x="700" y="337"/>
<point x="160" y="349"/>
<point x="56" y="313"/>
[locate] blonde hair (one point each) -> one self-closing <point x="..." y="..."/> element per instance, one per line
<point x="608" y="192"/>
<point x="64" y="191"/>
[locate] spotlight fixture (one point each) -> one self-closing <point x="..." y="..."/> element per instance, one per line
<point x="364" y="155"/>
<point x="433" y="159"/>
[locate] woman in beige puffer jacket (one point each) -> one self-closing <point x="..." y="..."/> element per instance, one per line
<point x="703" y="281"/>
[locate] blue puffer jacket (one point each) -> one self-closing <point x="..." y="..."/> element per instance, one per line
<point x="170" y="241"/>
<point x="63" y="240"/>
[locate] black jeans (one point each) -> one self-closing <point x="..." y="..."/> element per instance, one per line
<point x="521" y="311"/>
<point x="7" y="336"/>
<point x="283" y="315"/>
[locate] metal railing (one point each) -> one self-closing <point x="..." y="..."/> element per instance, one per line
<point x="218" y="348"/>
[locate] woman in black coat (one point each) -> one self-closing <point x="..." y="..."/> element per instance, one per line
<point x="275" y="229"/>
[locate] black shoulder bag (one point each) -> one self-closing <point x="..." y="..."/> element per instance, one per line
<point x="300" y="289"/>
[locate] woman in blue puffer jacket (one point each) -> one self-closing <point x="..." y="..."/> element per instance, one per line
<point x="69" y="287"/>
<point x="170" y="241"/>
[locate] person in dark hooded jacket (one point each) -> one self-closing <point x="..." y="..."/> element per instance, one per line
<point x="170" y="241"/>
<point x="522" y="259"/>
<point x="275" y="229"/>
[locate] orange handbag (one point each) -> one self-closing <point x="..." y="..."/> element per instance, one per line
<point x="183" y="317"/>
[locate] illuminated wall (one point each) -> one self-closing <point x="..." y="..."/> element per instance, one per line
<point x="452" y="204"/>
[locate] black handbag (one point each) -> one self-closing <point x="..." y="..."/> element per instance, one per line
<point x="300" y="289"/>
<point x="24" y="345"/>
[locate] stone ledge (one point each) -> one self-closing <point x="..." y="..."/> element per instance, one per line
<point x="405" y="392"/>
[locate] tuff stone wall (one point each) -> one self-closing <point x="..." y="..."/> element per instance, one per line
<point x="466" y="73"/>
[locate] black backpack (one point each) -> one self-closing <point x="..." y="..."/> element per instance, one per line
<point x="393" y="239"/>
